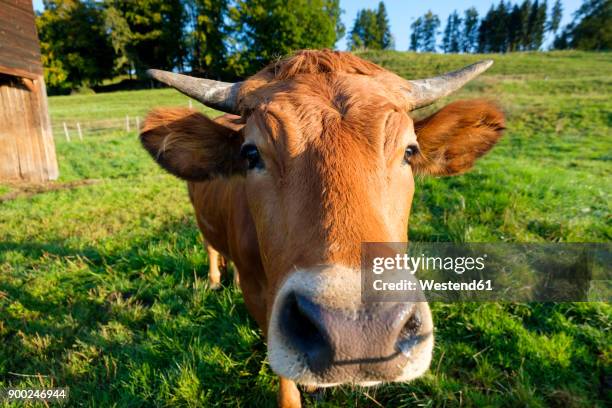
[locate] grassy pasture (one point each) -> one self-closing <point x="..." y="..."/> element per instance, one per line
<point x="103" y="285"/>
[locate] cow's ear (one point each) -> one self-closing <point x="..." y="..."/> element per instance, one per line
<point x="453" y="138"/>
<point x="192" y="146"/>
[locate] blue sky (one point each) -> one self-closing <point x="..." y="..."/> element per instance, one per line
<point x="403" y="12"/>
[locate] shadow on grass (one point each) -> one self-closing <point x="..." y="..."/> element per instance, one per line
<point x="135" y="326"/>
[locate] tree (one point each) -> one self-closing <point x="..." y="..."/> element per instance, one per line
<point x="371" y="30"/>
<point x="507" y="28"/>
<point x="501" y="27"/>
<point x="452" y="40"/>
<point x="525" y="34"/>
<point x="556" y="14"/>
<point x="334" y="12"/>
<point x="157" y="28"/>
<point x="515" y="28"/>
<point x="537" y="24"/>
<point x="495" y="30"/>
<point x="120" y="37"/>
<point x="267" y="29"/>
<point x="424" y="33"/>
<point x="431" y="23"/>
<point x="484" y="31"/>
<point x="384" y="28"/>
<point x="470" y="30"/>
<point x="365" y="31"/>
<point x="207" y="36"/>
<point x="75" y="48"/>
<point x="591" y="28"/>
<point x="416" y="36"/>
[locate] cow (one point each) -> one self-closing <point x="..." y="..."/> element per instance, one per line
<point x="316" y="154"/>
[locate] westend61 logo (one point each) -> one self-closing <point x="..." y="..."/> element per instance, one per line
<point x="449" y="272"/>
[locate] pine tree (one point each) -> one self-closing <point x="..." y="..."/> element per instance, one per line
<point x="431" y="23"/>
<point x="384" y="28"/>
<point x="448" y="32"/>
<point x="542" y="18"/>
<point x="498" y="29"/>
<point x="364" y="32"/>
<point x="416" y="36"/>
<point x="504" y="12"/>
<point x="537" y="24"/>
<point x="591" y="28"/>
<point x="470" y="30"/>
<point x="556" y="14"/>
<point x="451" y="42"/>
<point x="371" y="30"/>
<point x="525" y="37"/>
<point x="357" y="32"/>
<point x="515" y="28"/>
<point x="484" y="31"/>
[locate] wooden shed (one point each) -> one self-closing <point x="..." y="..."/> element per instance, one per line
<point x="27" y="150"/>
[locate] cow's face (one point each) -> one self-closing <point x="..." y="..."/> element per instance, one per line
<point x="328" y="159"/>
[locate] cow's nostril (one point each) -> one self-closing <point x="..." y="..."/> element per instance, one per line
<point x="409" y="335"/>
<point x="301" y="323"/>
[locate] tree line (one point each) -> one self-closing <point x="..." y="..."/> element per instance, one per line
<point x="84" y="42"/>
<point x="506" y="27"/>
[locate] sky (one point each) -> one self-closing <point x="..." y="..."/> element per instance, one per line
<point x="403" y="12"/>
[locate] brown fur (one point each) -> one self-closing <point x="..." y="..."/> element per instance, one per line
<point x="453" y="138"/>
<point x="332" y="130"/>
<point x="190" y="145"/>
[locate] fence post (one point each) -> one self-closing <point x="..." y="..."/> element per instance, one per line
<point x="127" y="123"/>
<point x="137" y="123"/>
<point x="79" y="130"/>
<point x="66" y="132"/>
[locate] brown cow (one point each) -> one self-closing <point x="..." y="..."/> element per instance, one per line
<point x="319" y="157"/>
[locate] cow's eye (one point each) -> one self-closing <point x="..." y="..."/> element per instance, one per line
<point x="250" y="153"/>
<point x="411" y="151"/>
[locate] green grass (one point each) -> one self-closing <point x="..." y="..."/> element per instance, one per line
<point x="115" y="105"/>
<point x="103" y="286"/>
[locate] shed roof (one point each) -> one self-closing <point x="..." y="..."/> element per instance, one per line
<point x="19" y="46"/>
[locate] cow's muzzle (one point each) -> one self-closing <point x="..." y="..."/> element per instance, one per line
<point x="322" y="334"/>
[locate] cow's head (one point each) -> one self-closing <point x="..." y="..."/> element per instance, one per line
<point x="328" y="154"/>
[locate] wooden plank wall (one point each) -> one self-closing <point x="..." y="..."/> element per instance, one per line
<point x="27" y="150"/>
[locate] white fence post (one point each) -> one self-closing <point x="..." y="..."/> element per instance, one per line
<point x="127" y="123"/>
<point x="137" y="123"/>
<point x="79" y="130"/>
<point x="190" y="106"/>
<point x="66" y="132"/>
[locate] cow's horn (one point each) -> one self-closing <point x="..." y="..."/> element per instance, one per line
<point x="423" y="92"/>
<point x="215" y="94"/>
